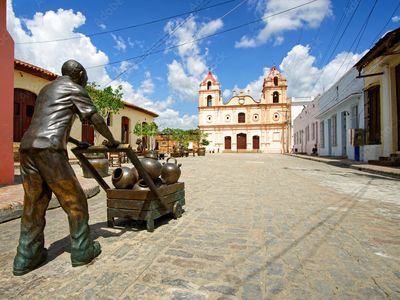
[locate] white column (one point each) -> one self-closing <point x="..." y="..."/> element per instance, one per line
<point x="386" y="116"/>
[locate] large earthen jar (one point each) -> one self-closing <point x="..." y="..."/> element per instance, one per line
<point x="152" y="167"/>
<point x="171" y="172"/>
<point x="124" y="177"/>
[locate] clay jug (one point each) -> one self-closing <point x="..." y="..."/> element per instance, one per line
<point x="141" y="186"/>
<point x="171" y="172"/>
<point x="124" y="177"/>
<point x="152" y="167"/>
<point x="151" y="154"/>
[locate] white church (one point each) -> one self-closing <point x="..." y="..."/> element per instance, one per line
<point x="243" y="124"/>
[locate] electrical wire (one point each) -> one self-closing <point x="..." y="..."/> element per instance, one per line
<point x="159" y="42"/>
<point x="206" y="36"/>
<point x="127" y="27"/>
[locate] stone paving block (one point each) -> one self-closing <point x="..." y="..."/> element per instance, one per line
<point x="284" y="229"/>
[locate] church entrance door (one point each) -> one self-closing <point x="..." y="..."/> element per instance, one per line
<point x="241" y="141"/>
<point x="256" y="142"/>
<point x="228" y="143"/>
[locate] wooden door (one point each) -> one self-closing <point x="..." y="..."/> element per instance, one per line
<point x="87" y="133"/>
<point x="398" y="104"/>
<point x="256" y="142"/>
<point x="125" y="130"/>
<point x="24" y="106"/>
<point x="241" y="141"/>
<point x="228" y="143"/>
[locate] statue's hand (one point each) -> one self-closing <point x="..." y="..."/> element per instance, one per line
<point x="113" y="144"/>
<point x="83" y="145"/>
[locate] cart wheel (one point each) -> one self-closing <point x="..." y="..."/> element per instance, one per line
<point x="177" y="210"/>
<point x="110" y="222"/>
<point x="150" y="225"/>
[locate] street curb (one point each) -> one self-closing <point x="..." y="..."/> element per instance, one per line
<point x="359" y="167"/>
<point x="15" y="210"/>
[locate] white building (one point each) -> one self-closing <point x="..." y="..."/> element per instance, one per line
<point x="244" y="124"/>
<point x="341" y="109"/>
<point x="297" y="106"/>
<point x="305" y="129"/>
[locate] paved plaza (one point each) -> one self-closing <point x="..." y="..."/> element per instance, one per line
<point x="256" y="226"/>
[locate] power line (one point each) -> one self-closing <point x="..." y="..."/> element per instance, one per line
<point x="387" y="22"/>
<point x="127" y="27"/>
<point x="159" y="42"/>
<point x="205" y="37"/>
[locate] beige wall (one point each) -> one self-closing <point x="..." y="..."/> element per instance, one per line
<point x="28" y="82"/>
<point x="115" y="127"/>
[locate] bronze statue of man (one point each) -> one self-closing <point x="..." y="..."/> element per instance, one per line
<point x="45" y="169"/>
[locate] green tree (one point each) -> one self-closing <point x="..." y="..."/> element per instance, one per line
<point x="107" y="100"/>
<point x="149" y="130"/>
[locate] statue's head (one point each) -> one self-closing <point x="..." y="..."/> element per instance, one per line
<point x="76" y="71"/>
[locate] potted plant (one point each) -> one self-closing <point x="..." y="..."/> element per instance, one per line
<point x="202" y="150"/>
<point x="148" y="130"/>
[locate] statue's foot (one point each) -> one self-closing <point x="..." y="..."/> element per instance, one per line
<point x="96" y="250"/>
<point x="23" y="266"/>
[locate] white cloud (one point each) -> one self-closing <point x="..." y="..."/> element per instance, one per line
<point x="279" y="40"/>
<point x="103" y="26"/>
<point x="119" y="42"/>
<point x="170" y="118"/>
<point x="52" y="25"/>
<point x="226" y="93"/>
<point x="305" y="79"/>
<point x="147" y="85"/>
<point x="185" y="74"/>
<point x="310" y="15"/>
<point x="254" y="88"/>
<point x="210" y="28"/>
<point x="396" y="19"/>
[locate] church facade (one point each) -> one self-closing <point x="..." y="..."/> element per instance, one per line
<point x="243" y="124"/>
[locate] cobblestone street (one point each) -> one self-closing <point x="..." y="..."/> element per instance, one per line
<point x="255" y="226"/>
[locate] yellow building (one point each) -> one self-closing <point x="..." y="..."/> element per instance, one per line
<point x="30" y="79"/>
<point x="380" y="69"/>
<point x="242" y="123"/>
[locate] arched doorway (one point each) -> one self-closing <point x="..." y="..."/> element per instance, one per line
<point x="87" y="133"/>
<point x="24" y="106"/>
<point x="241" y="141"/>
<point x="256" y="142"/>
<point x="228" y="143"/>
<point x="125" y="130"/>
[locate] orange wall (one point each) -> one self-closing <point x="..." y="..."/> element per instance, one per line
<point x="6" y="100"/>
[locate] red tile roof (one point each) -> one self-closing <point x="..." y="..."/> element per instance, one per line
<point x="34" y="70"/>
<point x="138" y="108"/>
<point x="209" y="77"/>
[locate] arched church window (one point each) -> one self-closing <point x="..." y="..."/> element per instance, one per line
<point x="276" y="80"/>
<point x="209" y="85"/>
<point x="209" y="100"/>
<point x="241" y="117"/>
<point x="275" y="97"/>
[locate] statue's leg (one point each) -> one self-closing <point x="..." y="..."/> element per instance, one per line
<point x="30" y="251"/>
<point x="73" y="200"/>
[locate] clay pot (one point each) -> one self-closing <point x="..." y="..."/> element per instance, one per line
<point x="142" y="186"/>
<point x="124" y="177"/>
<point x="152" y="167"/>
<point x="151" y="154"/>
<point x="171" y="172"/>
<point x="201" y="152"/>
<point x="99" y="162"/>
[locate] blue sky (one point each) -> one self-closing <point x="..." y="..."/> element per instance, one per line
<point x="309" y="44"/>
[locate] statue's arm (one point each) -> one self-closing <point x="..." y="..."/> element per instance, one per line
<point x="78" y="143"/>
<point x="102" y="128"/>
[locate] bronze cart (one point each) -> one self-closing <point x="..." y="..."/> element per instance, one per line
<point x="146" y="205"/>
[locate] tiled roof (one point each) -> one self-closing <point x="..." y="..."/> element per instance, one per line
<point x="209" y="77"/>
<point x="138" y="108"/>
<point x="34" y="70"/>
